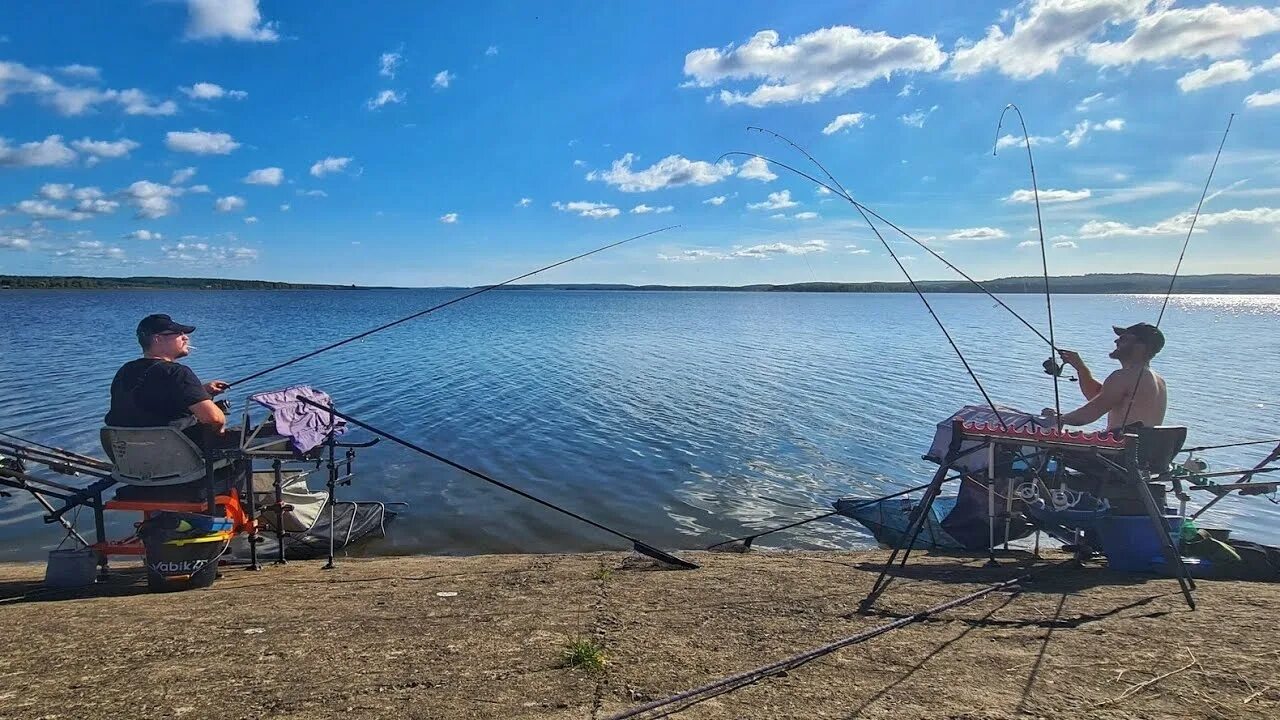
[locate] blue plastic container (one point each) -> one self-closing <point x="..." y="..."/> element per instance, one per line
<point x="1131" y="544"/>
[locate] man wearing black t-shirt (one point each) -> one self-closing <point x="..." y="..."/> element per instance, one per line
<point x="155" y="390"/>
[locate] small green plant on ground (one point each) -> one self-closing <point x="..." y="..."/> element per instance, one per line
<point x="584" y="653"/>
<point x="603" y="574"/>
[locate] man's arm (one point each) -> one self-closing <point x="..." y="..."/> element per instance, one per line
<point x="1110" y="395"/>
<point x="1089" y="387"/>
<point x="208" y="413"/>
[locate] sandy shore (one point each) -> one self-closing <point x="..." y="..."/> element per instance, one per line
<point x="389" y="638"/>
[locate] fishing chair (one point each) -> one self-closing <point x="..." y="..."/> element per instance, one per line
<point x="155" y="456"/>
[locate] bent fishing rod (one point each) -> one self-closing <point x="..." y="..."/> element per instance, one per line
<point x="863" y="211"/>
<point x="442" y="305"/>
<point x="1051" y="365"/>
<point x="638" y="545"/>
<point x="1133" y="394"/>
<point x="845" y="195"/>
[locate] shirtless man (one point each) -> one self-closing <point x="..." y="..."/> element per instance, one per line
<point x="1135" y="346"/>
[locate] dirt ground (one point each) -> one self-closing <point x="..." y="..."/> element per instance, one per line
<point x="485" y="636"/>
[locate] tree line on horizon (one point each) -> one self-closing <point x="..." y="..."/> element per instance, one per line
<point x="1099" y="283"/>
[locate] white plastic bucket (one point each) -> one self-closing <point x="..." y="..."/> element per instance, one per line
<point x="70" y="568"/>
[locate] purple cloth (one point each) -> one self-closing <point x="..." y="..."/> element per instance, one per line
<point x="305" y="425"/>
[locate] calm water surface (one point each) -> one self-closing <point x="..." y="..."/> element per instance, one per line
<point x="680" y="418"/>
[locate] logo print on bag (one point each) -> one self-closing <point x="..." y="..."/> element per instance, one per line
<point x="178" y="567"/>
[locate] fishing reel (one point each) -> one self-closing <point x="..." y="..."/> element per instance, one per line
<point x="1053" y="368"/>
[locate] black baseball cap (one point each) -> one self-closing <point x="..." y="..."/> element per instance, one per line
<point x="1146" y="333"/>
<point x="160" y="323"/>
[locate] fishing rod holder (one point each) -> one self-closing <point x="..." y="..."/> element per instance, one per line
<point x="1116" y="468"/>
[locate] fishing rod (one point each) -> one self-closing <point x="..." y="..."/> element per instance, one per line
<point x="639" y="546"/>
<point x="746" y="541"/>
<point x="891" y="224"/>
<point x="919" y="293"/>
<point x="459" y="299"/>
<point x="1051" y="365"/>
<point x="1133" y="394"/>
<point x="1228" y="445"/>
<point x="742" y="679"/>
<point x="66" y="454"/>
<point x="1244" y="478"/>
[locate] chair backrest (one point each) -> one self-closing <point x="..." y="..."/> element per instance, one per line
<point x="1158" y="446"/>
<point x="152" y="456"/>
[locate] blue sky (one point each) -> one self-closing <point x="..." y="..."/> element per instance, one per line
<point x="412" y="144"/>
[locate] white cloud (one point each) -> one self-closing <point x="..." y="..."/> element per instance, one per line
<point x="907" y="90"/>
<point x="265" y="176"/>
<point x="1219" y="73"/>
<point x="200" y="142"/>
<point x="18" y="79"/>
<point x="822" y="190"/>
<point x="329" y="165"/>
<point x="1044" y="33"/>
<point x="50" y="152"/>
<point x="235" y="19"/>
<point x="210" y="91"/>
<point x="684" y="256"/>
<point x="771" y="249"/>
<point x="917" y="118"/>
<point x="1049" y="196"/>
<point x="756" y="169"/>
<point x="778" y="216"/>
<point x="776" y="201"/>
<point x="449" y="218"/>
<point x="1172" y="32"/>
<point x="144" y="235"/>
<point x="1007" y="141"/>
<point x="1086" y="103"/>
<point x="595" y="211"/>
<point x="104" y="149"/>
<point x="181" y="176"/>
<point x="524" y="202"/>
<point x="1110" y="228"/>
<point x="136" y="102"/>
<point x="1029" y="243"/>
<point x="1271" y="63"/>
<point x="284" y="207"/>
<point x="1077" y="135"/>
<point x="1255" y="100"/>
<point x="855" y="250"/>
<point x="152" y="200"/>
<point x="841" y="122"/>
<point x="442" y="79"/>
<point x="978" y="233"/>
<point x="251" y="220"/>
<point x="386" y="97"/>
<point x="199" y="189"/>
<point x="491" y="50"/>
<point x="87" y="72"/>
<point x="45" y="210"/>
<point x="96" y="205"/>
<point x="14" y="243"/>
<point x="671" y="171"/>
<point x="1066" y="244"/>
<point x="579" y="163"/>
<point x="806" y="216"/>
<point x="313" y="193"/>
<point x="56" y="191"/>
<point x="230" y="203"/>
<point x="717" y="200"/>
<point x="827" y="61"/>
<point x="201" y="254"/>
<point x="643" y="209"/>
<point x="389" y="63"/>
<point x="91" y="250"/>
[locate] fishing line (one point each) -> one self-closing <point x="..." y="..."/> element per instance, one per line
<point x="1051" y="366"/>
<point x="845" y="194"/>
<point x="1228" y="445"/>
<point x="418" y="314"/>
<point x="639" y="546"/>
<point x="1133" y="394"/>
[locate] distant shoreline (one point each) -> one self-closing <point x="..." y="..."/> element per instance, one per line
<point x="1093" y="284"/>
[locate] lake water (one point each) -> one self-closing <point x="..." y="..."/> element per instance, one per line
<point x="682" y="418"/>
